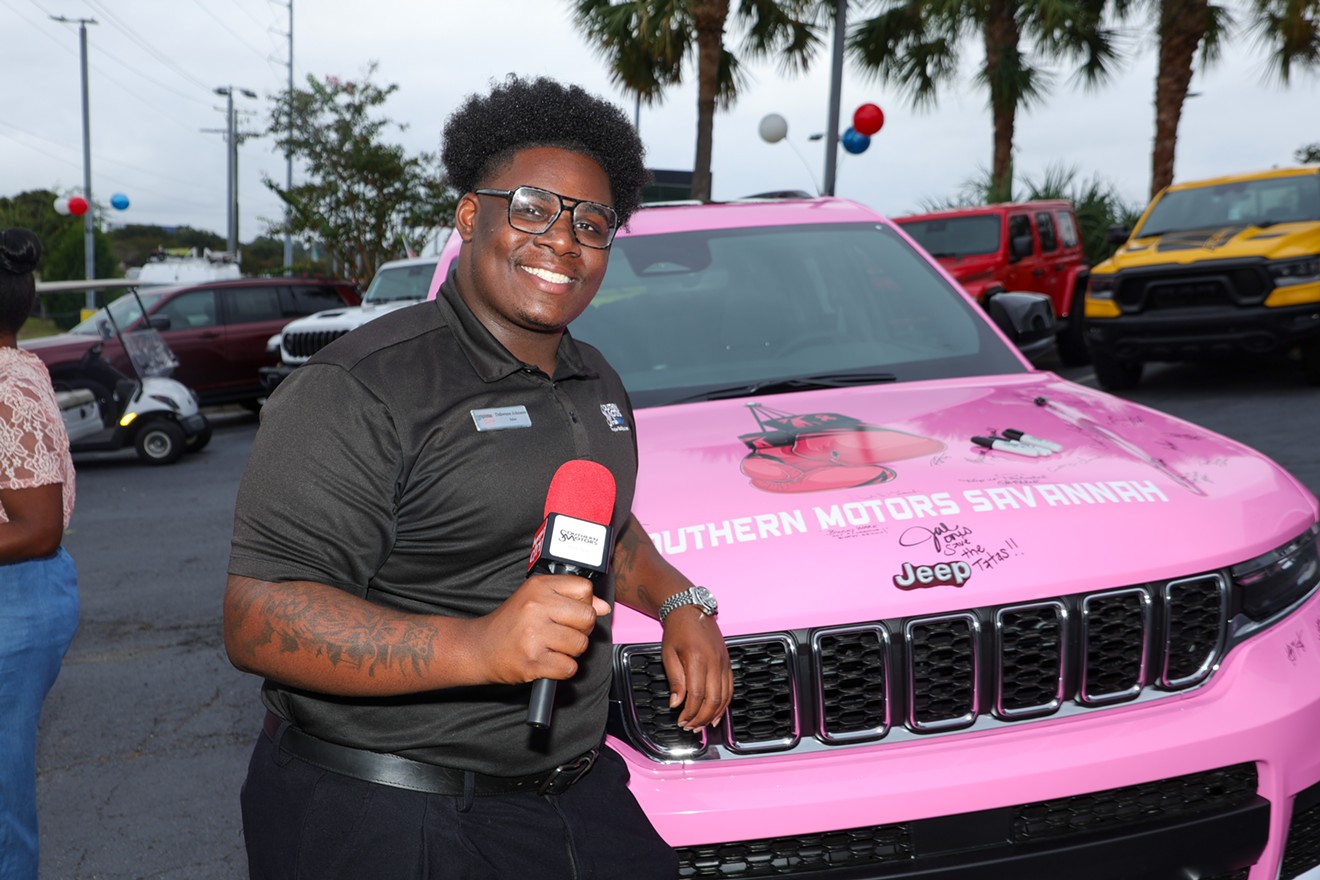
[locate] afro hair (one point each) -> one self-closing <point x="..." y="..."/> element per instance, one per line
<point x="482" y="135"/>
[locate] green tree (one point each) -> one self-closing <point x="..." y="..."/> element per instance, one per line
<point x="649" y="46"/>
<point x="1308" y="154"/>
<point x="917" y="45"/>
<point x="361" y="196"/>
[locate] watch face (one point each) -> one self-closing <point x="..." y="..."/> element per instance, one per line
<point x="706" y="598"/>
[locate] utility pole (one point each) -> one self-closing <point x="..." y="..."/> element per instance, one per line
<point x="288" y="157"/>
<point x="89" y="240"/>
<point x="231" y="140"/>
<point x="836" y="85"/>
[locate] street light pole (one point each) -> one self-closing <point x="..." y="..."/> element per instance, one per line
<point x="836" y="85"/>
<point x="231" y="140"/>
<point x="89" y="223"/>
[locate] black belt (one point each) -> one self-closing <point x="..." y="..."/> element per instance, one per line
<point x="400" y="772"/>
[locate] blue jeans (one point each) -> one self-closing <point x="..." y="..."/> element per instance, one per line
<point x="38" y="617"/>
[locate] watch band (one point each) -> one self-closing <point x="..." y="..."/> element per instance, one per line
<point x="696" y="595"/>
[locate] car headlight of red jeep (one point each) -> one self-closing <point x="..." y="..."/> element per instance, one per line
<point x="1275" y="580"/>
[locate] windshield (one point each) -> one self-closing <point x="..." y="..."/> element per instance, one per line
<point x="124" y="310"/>
<point x="956" y="236"/>
<point x="1243" y="203"/>
<point x="682" y="315"/>
<point x="400" y="283"/>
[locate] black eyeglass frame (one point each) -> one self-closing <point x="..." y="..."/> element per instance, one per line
<point x="564" y="202"/>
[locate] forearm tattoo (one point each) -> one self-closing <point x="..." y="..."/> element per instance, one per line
<point x="629" y="588"/>
<point x="358" y="637"/>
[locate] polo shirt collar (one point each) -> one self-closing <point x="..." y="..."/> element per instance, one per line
<point x="490" y="360"/>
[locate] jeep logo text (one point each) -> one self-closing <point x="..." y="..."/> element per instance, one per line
<point x="945" y="574"/>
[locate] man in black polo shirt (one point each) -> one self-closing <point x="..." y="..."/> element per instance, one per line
<point x="378" y="574"/>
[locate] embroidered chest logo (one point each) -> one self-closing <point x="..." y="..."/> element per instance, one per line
<point x="614" y="417"/>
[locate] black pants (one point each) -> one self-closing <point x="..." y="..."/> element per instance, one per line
<point x="304" y="823"/>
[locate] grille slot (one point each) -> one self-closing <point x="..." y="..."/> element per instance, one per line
<point x="776" y="856"/>
<point x="943" y="665"/>
<point x="1115" y="630"/>
<point x="853" y="673"/>
<point x="838" y="686"/>
<point x="763" y="712"/>
<point x="1302" y="851"/>
<point x="1175" y="798"/>
<point x="1199" y="606"/>
<point x="1033" y="641"/>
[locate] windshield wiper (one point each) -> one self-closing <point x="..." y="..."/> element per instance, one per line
<point x="791" y="383"/>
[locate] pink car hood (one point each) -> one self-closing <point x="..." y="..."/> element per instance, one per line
<point x="838" y="506"/>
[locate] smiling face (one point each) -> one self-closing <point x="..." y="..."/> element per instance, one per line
<point x="526" y="288"/>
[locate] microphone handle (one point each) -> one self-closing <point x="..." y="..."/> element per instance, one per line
<point x="542" y="703"/>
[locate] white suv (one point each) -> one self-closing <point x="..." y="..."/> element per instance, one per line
<point x="397" y="283"/>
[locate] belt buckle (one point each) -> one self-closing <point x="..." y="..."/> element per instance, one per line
<point x="563" y="776"/>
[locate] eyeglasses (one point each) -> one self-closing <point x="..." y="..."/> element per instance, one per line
<point x="534" y="211"/>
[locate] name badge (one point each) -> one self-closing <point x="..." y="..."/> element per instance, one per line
<point x="501" y="418"/>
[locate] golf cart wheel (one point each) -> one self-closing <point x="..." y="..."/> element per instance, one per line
<point x="197" y="442"/>
<point x="159" y="441"/>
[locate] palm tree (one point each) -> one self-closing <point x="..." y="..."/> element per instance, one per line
<point x="648" y="45"/>
<point x="917" y="45"/>
<point x="1289" y="29"/>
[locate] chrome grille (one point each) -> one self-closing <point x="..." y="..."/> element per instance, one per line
<point x="864" y="682"/>
<point x="305" y="343"/>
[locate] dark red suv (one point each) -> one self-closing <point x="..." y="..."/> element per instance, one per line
<point x="218" y="330"/>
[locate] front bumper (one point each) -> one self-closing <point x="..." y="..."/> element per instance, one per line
<point x="271" y="377"/>
<point x="946" y="807"/>
<point x="1186" y="334"/>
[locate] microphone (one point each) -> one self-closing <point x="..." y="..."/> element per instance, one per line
<point x="574" y="539"/>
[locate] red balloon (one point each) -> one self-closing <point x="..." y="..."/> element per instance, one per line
<point x="868" y="119"/>
<point x="77" y="206"/>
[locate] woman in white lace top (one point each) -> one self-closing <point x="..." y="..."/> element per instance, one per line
<point x="38" y="582"/>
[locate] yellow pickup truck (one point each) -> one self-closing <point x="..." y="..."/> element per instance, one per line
<point x="1214" y="268"/>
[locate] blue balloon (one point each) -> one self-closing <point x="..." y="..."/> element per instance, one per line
<point x="855" y="142"/>
<point x="119" y="201"/>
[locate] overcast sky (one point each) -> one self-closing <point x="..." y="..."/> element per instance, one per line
<point x="155" y="120"/>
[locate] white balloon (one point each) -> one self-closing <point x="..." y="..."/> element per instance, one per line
<point x="774" y="128"/>
<point x="61" y="206"/>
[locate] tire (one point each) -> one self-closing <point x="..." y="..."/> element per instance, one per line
<point x="1072" y="334"/>
<point x="159" y="441"/>
<point x="1114" y="374"/>
<point x="197" y="442"/>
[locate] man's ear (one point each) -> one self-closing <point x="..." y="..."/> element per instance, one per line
<point x="465" y="216"/>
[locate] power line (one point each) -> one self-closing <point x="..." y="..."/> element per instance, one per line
<point x="234" y="33"/>
<point x="145" y="46"/>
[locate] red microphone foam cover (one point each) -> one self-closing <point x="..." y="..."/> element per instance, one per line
<point x="583" y="490"/>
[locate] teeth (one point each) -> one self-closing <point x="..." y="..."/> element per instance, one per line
<point x="553" y="277"/>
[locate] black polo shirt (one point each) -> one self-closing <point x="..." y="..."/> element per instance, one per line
<point x="408" y="464"/>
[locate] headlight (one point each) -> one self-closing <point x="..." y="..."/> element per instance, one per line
<point x="1303" y="271"/>
<point x="1101" y="287"/>
<point x="1273" y="581"/>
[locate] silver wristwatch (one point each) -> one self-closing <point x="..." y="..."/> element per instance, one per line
<point x="694" y="596"/>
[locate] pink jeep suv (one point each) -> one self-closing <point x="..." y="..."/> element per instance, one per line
<point x="984" y="622"/>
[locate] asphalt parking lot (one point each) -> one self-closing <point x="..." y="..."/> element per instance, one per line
<point x="146" y="734"/>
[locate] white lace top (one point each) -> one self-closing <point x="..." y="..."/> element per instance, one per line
<point x="34" y="449"/>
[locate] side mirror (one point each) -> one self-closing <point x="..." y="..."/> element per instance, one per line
<point x="1027" y="319"/>
<point x="1117" y="234"/>
<point x="1020" y="246"/>
<point x="159" y="322"/>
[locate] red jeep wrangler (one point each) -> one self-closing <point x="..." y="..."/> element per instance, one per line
<point x="1031" y="246"/>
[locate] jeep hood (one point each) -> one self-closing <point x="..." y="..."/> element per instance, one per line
<point x="62" y="347"/>
<point x="838" y="506"/>
<point x="1219" y="243"/>
<point x="348" y="317"/>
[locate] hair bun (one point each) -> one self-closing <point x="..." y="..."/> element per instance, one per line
<point x="20" y="251"/>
